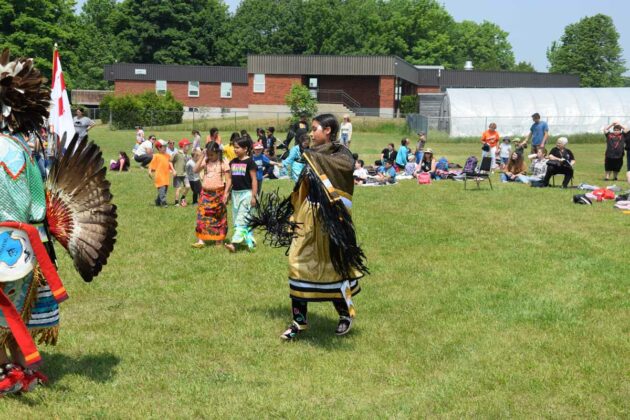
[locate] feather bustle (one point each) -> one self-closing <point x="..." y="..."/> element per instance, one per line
<point x="77" y="183"/>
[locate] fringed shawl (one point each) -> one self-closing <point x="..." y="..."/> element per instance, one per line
<point x="330" y="185"/>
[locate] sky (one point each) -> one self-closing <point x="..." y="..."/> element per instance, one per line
<point x="533" y="24"/>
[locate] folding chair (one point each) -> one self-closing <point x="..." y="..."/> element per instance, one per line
<point x="483" y="173"/>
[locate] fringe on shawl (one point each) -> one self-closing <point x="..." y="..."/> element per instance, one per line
<point x="335" y="220"/>
<point x="273" y="215"/>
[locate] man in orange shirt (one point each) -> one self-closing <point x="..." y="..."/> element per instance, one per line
<point x="159" y="169"/>
<point x="490" y="139"/>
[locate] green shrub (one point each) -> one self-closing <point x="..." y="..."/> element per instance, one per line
<point x="145" y="109"/>
<point x="409" y="104"/>
<point x="300" y="101"/>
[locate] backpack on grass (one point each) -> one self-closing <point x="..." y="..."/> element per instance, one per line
<point x="442" y="164"/>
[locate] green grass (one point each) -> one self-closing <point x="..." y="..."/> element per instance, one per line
<point x="505" y="303"/>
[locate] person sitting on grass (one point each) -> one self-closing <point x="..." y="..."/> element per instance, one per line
<point x="386" y="174"/>
<point x="360" y="174"/>
<point x="427" y="164"/>
<point x="505" y="151"/>
<point x="294" y="163"/>
<point x="514" y="168"/>
<point x="537" y="169"/>
<point x="120" y="165"/>
<point x="561" y="161"/>
<point x="402" y="156"/>
<point x="143" y="154"/>
<point x="388" y="153"/>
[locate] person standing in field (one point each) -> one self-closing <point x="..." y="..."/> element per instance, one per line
<point x="243" y="172"/>
<point x="214" y="136"/>
<point x="325" y="262"/>
<point x="538" y="132"/>
<point x="82" y="124"/>
<point x="615" y="145"/>
<point x="212" y="210"/>
<point x="345" y="131"/>
<point x="178" y="159"/>
<point x="159" y="170"/>
<point x="490" y="139"/>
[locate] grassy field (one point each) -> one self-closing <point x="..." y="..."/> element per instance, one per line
<point x="505" y="303"/>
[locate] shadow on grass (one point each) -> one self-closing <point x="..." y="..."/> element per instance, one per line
<point x="321" y="331"/>
<point x="98" y="368"/>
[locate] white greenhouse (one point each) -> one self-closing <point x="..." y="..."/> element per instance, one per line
<point x="566" y="110"/>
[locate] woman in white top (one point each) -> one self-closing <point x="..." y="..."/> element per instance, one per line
<point x="345" y="131"/>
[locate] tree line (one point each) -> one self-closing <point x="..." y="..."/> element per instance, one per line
<point x="204" y="32"/>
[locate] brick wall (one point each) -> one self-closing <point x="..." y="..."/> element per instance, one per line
<point x="276" y="87"/>
<point x="362" y="88"/>
<point x="209" y="93"/>
<point x="386" y="92"/>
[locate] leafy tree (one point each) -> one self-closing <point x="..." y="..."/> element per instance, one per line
<point x="590" y="49"/>
<point x="98" y="44"/>
<point x="300" y="102"/>
<point x="31" y="28"/>
<point x="265" y="27"/>
<point x="358" y="27"/>
<point x="173" y="31"/>
<point x="524" y="66"/>
<point x="485" y="44"/>
<point x="419" y="31"/>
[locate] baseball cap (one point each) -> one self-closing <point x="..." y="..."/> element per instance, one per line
<point x="183" y="143"/>
<point x="160" y="143"/>
<point x="258" y="145"/>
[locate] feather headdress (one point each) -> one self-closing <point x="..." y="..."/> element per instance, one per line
<point x="79" y="207"/>
<point x="23" y="97"/>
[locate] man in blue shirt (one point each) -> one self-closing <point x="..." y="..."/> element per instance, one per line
<point x="539" y="133"/>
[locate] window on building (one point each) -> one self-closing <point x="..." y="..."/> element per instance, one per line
<point x="226" y="89"/>
<point x="160" y="87"/>
<point x="259" y="83"/>
<point x="312" y="82"/>
<point x="193" y="89"/>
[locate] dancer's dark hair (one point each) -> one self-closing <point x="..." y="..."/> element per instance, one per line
<point x="329" y="120"/>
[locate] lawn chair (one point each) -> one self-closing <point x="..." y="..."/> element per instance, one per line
<point x="482" y="174"/>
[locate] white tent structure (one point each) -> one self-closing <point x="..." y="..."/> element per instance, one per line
<point x="566" y="110"/>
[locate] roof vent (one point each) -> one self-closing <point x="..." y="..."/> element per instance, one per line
<point x="468" y="66"/>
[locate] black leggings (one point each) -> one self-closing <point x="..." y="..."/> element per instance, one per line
<point x="195" y="187"/>
<point x="300" y="309"/>
<point x="556" y="170"/>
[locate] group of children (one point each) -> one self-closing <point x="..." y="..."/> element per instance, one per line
<point x="322" y="265"/>
<point x="215" y="174"/>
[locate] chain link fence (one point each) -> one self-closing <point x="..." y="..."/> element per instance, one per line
<point x="234" y="120"/>
<point x="520" y="125"/>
